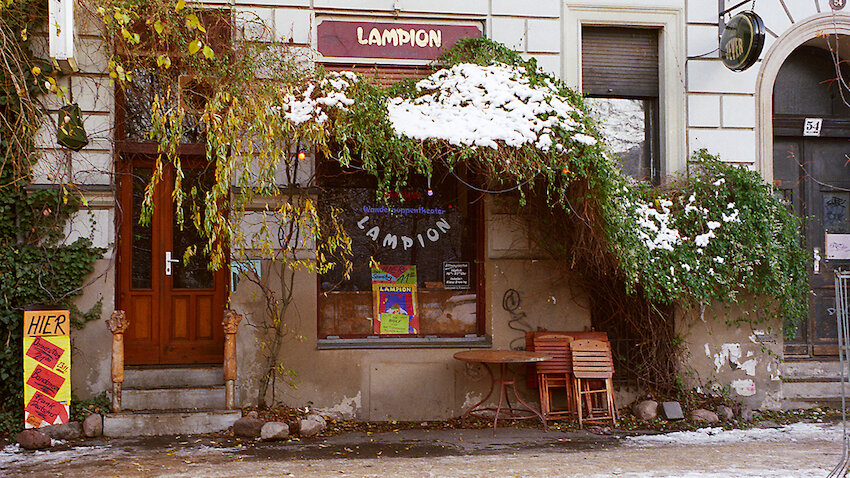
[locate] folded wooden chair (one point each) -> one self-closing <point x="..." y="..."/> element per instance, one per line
<point x="555" y="373"/>
<point x="593" y="365"/>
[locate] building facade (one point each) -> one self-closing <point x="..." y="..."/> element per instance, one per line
<point x="656" y="118"/>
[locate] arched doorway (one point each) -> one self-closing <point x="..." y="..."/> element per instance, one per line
<point x="811" y="169"/>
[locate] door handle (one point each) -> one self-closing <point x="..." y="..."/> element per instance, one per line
<point x="168" y="262"/>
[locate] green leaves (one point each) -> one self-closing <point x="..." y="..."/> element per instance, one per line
<point x="195" y="46"/>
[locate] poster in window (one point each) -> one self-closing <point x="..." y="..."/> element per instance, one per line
<point x="394" y="274"/>
<point x="394" y="291"/>
<point x="396" y="309"/>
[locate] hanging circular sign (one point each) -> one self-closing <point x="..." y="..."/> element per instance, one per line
<point x="837" y="4"/>
<point x="742" y="41"/>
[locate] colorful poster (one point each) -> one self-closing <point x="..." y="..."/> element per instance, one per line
<point x="394" y="291"/>
<point x="394" y="274"/>
<point x="47" y="367"/>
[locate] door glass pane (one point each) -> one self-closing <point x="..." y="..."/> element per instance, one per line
<point x="836" y="217"/>
<point x="141" y="243"/>
<point x="193" y="274"/>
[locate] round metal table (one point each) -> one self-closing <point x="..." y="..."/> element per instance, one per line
<point x="506" y="381"/>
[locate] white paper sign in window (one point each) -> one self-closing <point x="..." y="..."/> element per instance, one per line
<point x="837" y="246"/>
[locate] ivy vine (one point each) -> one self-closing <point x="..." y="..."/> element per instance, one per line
<point x="37" y="267"/>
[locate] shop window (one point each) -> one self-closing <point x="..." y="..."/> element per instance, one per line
<point x="416" y="254"/>
<point x="620" y="79"/>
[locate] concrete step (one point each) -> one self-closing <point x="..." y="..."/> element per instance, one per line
<point x="149" y="377"/>
<point x="811" y="389"/>
<point x="811" y="369"/>
<point x="172" y="398"/>
<point x="173" y="422"/>
<point x="831" y="402"/>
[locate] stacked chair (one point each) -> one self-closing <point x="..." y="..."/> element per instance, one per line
<point x="592" y="370"/>
<point x="555" y="373"/>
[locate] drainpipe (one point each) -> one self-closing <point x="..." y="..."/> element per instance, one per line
<point x="117" y="324"/>
<point x="231" y="324"/>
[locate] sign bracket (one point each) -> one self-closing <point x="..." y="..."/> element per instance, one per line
<point x="721" y="23"/>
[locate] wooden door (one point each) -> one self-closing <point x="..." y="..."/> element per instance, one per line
<point x="175" y="308"/>
<point x="814" y="176"/>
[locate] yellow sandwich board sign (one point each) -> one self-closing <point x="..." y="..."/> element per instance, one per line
<point x="47" y="367"/>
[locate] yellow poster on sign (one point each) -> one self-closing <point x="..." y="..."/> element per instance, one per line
<point x="47" y="367"/>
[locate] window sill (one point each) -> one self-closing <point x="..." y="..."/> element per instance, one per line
<point x="405" y="343"/>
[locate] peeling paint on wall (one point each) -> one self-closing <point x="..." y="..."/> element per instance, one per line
<point x="707" y="351"/>
<point x="471" y="399"/>
<point x="729" y="354"/>
<point x="744" y="387"/>
<point x="774" y="371"/>
<point x="347" y="408"/>
<point x="749" y="366"/>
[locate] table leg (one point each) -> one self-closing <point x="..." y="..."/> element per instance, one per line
<point x="503" y="392"/>
<point x="529" y="407"/>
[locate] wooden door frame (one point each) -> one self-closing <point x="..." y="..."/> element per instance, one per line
<point x="161" y="291"/>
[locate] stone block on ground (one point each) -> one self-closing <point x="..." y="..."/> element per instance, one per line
<point x="274" y="431"/>
<point x="318" y="418"/>
<point x="672" y="410"/>
<point x="309" y="428"/>
<point x="33" y="440"/>
<point x="746" y="413"/>
<point x="252" y="414"/>
<point x="725" y="413"/>
<point x="65" y="431"/>
<point x="646" y="410"/>
<point x="701" y="414"/>
<point x="248" y="427"/>
<point x="93" y="425"/>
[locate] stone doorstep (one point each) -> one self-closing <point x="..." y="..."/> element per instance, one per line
<point x="172" y="398"/>
<point x="168" y="422"/>
<point x="795" y="404"/>
<point x="813" y="390"/>
<point x="811" y="369"/>
<point x="156" y="377"/>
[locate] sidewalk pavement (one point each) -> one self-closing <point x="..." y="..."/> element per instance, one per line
<point x="801" y="450"/>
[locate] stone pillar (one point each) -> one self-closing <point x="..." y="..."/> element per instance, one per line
<point x="117" y="324"/>
<point x="231" y="324"/>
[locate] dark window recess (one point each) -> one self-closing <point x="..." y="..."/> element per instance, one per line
<point x="181" y="84"/>
<point x="620" y="78"/>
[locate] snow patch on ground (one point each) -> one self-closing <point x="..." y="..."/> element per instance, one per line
<point x="736" y="472"/>
<point x="716" y="435"/>
<point x="15" y="455"/>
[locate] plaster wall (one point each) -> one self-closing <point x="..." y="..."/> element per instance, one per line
<point x="723" y="105"/>
<point x="739" y="360"/>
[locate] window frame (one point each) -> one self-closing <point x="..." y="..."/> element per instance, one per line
<point x="669" y="18"/>
<point x="475" y="221"/>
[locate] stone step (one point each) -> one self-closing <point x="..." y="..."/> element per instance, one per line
<point x="171" y="422"/>
<point x="831" y="402"/>
<point x="206" y="398"/>
<point x="812" y="369"/>
<point x="812" y="389"/>
<point x="150" y="377"/>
